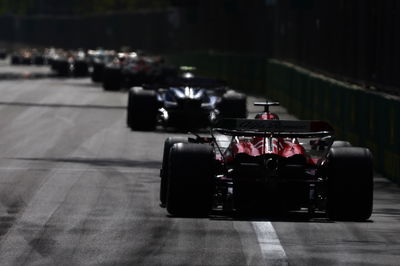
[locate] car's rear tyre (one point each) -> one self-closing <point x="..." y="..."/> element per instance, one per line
<point x="15" y="60"/>
<point x="169" y="142"/>
<point x="112" y="79"/>
<point x="190" y="179"/>
<point x="38" y="60"/>
<point x="97" y="73"/>
<point x="350" y="183"/>
<point x="233" y="105"/>
<point x="80" y="69"/>
<point x="142" y="109"/>
<point x="63" y="68"/>
<point x="341" y="143"/>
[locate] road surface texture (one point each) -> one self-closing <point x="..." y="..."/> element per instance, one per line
<point x="8" y="71"/>
<point x="78" y="188"/>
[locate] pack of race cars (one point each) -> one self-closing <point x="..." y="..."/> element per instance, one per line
<point x="246" y="166"/>
<point x="261" y="165"/>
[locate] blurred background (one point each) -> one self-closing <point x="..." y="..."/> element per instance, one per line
<point x="355" y="40"/>
<point x="334" y="60"/>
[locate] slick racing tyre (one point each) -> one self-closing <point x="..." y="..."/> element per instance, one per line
<point x="142" y="109"/>
<point x="233" y="105"/>
<point x="341" y="143"/>
<point x="350" y="183"/>
<point x="112" y="79"/>
<point x="169" y="142"/>
<point x="97" y="73"/>
<point x="81" y="68"/>
<point x="190" y="179"/>
<point x="63" y="68"/>
<point x="38" y="60"/>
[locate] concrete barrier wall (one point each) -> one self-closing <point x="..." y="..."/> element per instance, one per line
<point x="365" y="118"/>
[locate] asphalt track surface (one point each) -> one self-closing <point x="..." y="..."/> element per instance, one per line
<point x="78" y="188"/>
<point x="8" y="71"/>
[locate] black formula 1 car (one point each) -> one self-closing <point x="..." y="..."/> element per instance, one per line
<point x="267" y="166"/>
<point x="27" y="57"/>
<point x="192" y="104"/>
<point x="98" y="60"/>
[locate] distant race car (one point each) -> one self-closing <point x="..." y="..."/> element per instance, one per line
<point x="98" y="60"/>
<point x="67" y="63"/>
<point x="191" y="103"/>
<point x="21" y="57"/>
<point x="130" y="69"/>
<point x="267" y="166"/>
<point x="27" y="57"/>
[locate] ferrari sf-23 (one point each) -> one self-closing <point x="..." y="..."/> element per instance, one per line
<point x="268" y="166"/>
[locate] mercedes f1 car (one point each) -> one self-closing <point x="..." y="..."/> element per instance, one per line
<point x="192" y="104"/>
<point x="267" y="165"/>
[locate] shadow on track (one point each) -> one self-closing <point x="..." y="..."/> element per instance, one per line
<point x="296" y="217"/>
<point x="290" y="216"/>
<point x="99" y="162"/>
<point x="57" y="105"/>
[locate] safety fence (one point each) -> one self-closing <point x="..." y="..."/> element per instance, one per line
<point x="365" y="118"/>
<point x="353" y="40"/>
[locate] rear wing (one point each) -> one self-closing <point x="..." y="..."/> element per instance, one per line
<point x="266" y="105"/>
<point x="275" y="128"/>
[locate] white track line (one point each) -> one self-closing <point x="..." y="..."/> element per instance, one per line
<point x="271" y="248"/>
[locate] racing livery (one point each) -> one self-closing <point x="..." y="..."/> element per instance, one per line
<point x="267" y="165"/>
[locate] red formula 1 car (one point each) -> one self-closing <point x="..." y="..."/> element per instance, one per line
<point x="267" y="165"/>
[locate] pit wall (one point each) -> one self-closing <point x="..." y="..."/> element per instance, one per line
<point x="365" y="118"/>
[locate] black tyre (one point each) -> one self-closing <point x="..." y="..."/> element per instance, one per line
<point x="26" y="61"/>
<point x="142" y="109"/>
<point x="81" y="68"/>
<point x="112" y="79"/>
<point x="38" y="60"/>
<point x="233" y="105"/>
<point x="63" y="68"/>
<point x="97" y="73"/>
<point x="15" y="60"/>
<point x="169" y="142"/>
<point x="190" y="179"/>
<point x="350" y="183"/>
<point x="341" y="143"/>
